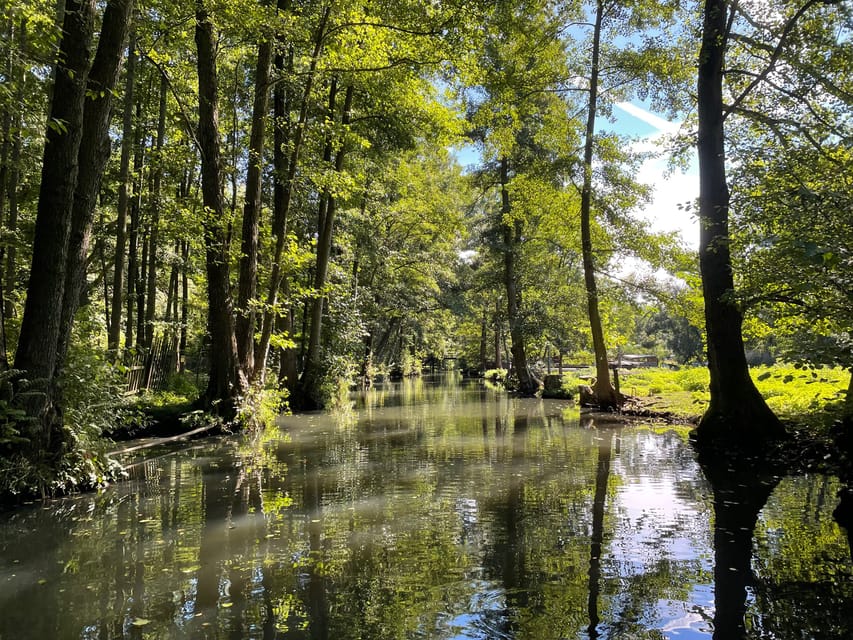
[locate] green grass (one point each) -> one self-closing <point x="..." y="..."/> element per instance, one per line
<point x="800" y="395"/>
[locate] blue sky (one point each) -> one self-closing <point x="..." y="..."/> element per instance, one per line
<point x="670" y="189"/>
<point x="635" y="120"/>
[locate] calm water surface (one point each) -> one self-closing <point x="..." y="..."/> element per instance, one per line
<point x="433" y="511"/>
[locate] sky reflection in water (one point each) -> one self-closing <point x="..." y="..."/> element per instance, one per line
<point x="430" y="511"/>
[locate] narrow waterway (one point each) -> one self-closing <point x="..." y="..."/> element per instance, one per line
<point x="433" y="509"/>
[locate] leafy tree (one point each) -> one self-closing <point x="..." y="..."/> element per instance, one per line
<point x="227" y="381"/>
<point x="516" y="118"/>
<point x="734" y="398"/>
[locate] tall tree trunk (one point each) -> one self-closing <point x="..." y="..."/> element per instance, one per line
<point x="5" y="171"/>
<point x="10" y="275"/>
<point x="93" y="155"/>
<point x="226" y="384"/>
<point x="605" y="393"/>
<point x="37" y="345"/>
<point x="114" y="326"/>
<point x="484" y="339"/>
<point x="527" y="383"/>
<point x="737" y="412"/>
<point x="133" y="232"/>
<point x="139" y="287"/>
<point x="311" y="376"/>
<point x="6" y="117"/>
<point x="498" y="337"/>
<point x="172" y="292"/>
<point x="283" y="200"/>
<point x="102" y="256"/>
<point x="185" y="306"/>
<point x="156" y="205"/>
<point x="288" y="373"/>
<point x="248" y="284"/>
<point x="127" y="136"/>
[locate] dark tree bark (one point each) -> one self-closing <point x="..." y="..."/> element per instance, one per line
<point x="6" y="117"/>
<point x="133" y="232"/>
<point x="37" y="345"/>
<point x="142" y="278"/>
<point x="484" y="339"/>
<point x="6" y="145"/>
<point x="185" y="288"/>
<point x="127" y="137"/>
<point x="736" y="412"/>
<point x="156" y="204"/>
<point x="172" y="291"/>
<point x="226" y="384"/>
<point x="498" y="337"/>
<point x="10" y="274"/>
<point x="248" y="283"/>
<point x="284" y="191"/>
<point x="288" y="374"/>
<point x="528" y="385"/>
<point x="93" y="155"/>
<point x="605" y="394"/>
<point x="114" y="330"/>
<point x="312" y="373"/>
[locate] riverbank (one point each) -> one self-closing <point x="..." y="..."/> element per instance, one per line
<point x="811" y="398"/>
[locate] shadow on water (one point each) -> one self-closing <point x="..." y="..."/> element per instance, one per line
<point x="602" y="476"/>
<point x="434" y="511"/>
<point x="779" y="559"/>
<point x="740" y="492"/>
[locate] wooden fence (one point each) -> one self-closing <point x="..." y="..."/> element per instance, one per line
<point x="150" y="368"/>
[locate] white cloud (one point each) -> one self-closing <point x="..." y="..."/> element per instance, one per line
<point x="670" y="188"/>
<point x="661" y="124"/>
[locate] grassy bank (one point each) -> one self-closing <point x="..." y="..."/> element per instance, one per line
<point x="812" y="397"/>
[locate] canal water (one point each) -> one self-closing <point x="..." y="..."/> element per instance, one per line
<point x="433" y="509"/>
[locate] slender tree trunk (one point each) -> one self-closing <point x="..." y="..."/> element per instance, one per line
<point x="133" y="234"/>
<point x="5" y="171"/>
<point x="484" y="335"/>
<point x="172" y="294"/>
<point x="37" y="345"/>
<point x="6" y="118"/>
<point x="498" y="337"/>
<point x="312" y="374"/>
<point x="248" y="284"/>
<point x="226" y="384"/>
<point x="185" y="288"/>
<point x="114" y="333"/>
<point x="605" y="393"/>
<point x="282" y="206"/>
<point x="736" y="412"/>
<point x="288" y="374"/>
<point x="14" y="179"/>
<point x="139" y="287"/>
<point x="156" y="205"/>
<point x="102" y="256"/>
<point x="93" y="155"/>
<point x="527" y="383"/>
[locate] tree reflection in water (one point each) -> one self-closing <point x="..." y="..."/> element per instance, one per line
<point x="438" y="513"/>
<point x="602" y="475"/>
<point x="740" y="492"/>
